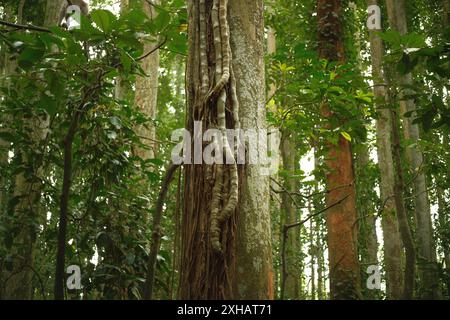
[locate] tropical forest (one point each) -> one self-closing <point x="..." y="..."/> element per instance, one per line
<point x="224" y="150"/>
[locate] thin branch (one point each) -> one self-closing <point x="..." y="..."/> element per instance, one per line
<point x="285" y="236"/>
<point x="153" y="50"/>
<point x="289" y="226"/>
<point x="156" y="236"/>
<point x="24" y="26"/>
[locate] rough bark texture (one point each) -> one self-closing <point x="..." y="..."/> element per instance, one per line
<point x="424" y="233"/>
<point x="254" y="278"/>
<point x="146" y="94"/>
<point x="392" y="241"/>
<point x="237" y="263"/>
<point x="342" y="218"/>
<point x="290" y="282"/>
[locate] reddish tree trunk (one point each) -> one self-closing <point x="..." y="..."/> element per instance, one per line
<point x="342" y="218"/>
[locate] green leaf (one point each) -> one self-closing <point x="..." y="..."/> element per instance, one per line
<point x="346" y="136"/>
<point x="104" y="19"/>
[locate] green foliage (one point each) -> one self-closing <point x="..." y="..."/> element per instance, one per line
<point x="112" y="190"/>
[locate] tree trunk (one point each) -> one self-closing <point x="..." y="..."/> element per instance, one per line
<point x="226" y="238"/>
<point x="341" y="218"/>
<point x="320" y="264"/>
<point x="290" y="279"/>
<point x="122" y="87"/>
<point x="147" y="94"/>
<point x="312" y="250"/>
<point x="426" y="247"/>
<point x="368" y="242"/>
<point x="391" y="234"/>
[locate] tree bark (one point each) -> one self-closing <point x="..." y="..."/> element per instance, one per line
<point x="238" y="264"/>
<point x="368" y="242"/>
<point x="426" y="247"/>
<point x="146" y="95"/>
<point x="392" y="241"/>
<point x="342" y="218"/>
<point x="290" y="279"/>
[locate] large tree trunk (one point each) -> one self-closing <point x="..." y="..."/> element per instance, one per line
<point x="391" y="234"/>
<point x="254" y="278"/>
<point x="341" y="218"/>
<point x="426" y="247"/>
<point x="226" y="233"/>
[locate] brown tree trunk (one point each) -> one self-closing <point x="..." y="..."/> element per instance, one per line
<point x="342" y="218"/>
<point x="226" y="246"/>
<point x="425" y="242"/>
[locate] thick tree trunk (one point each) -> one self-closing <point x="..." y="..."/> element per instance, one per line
<point x="226" y="249"/>
<point x="392" y="241"/>
<point x="426" y="247"/>
<point x="290" y="280"/>
<point x="254" y="278"/>
<point x="341" y="218"/>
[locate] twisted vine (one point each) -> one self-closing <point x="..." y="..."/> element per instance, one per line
<point x="226" y="182"/>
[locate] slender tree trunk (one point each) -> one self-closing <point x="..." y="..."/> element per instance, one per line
<point x="342" y="218"/>
<point x="392" y="241"/>
<point x="320" y="264"/>
<point x="275" y="140"/>
<point x="6" y="67"/>
<point x="313" y="251"/>
<point x="122" y="87"/>
<point x="226" y="233"/>
<point x="368" y="242"/>
<point x="444" y="215"/>
<point x="443" y="222"/>
<point x="426" y="247"/>
<point x="147" y="94"/>
<point x="320" y="245"/>
<point x="290" y="282"/>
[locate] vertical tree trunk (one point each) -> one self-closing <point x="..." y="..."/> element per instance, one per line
<point x="313" y="251"/>
<point x="254" y="278"/>
<point x="226" y="238"/>
<point x="275" y="136"/>
<point x="426" y="247"/>
<point x="368" y="242"/>
<point x="320" y="264"/>
<point x="290" y="282"/>
<point x="121" y="89"/>
<point x="391" y="234"/>
<point x="147" y="94"/>
<point x="341" y="218"/>
<point x="444" y="215"/>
